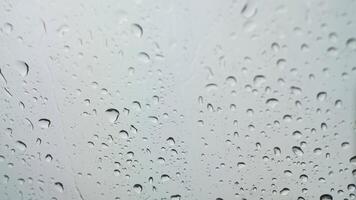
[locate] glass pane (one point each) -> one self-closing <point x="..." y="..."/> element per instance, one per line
<point x="177" y="100"/>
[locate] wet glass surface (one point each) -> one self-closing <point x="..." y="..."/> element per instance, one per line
<point x="177" y="100"/>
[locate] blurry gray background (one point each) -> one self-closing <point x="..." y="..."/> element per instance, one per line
<point x="177" y="99"/>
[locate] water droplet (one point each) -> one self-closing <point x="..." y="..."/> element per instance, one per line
<point x="165" y="178"/>
<point x="117" y="172"/>
<point x="49" y="158"/>
<point x="297" y="134"/>
<point x="175" y="197"/>
<point x="281" y="63"/>
<point x="317" y="151"/>
<point x="211" y="86"/>
<point x="338" y="103"/>
<point x="326" y="197"/>
<point x="321" y="96"/>
<point x="351" y="43"/>
<point x="161" y="160"/>
<point x="332" y="51"/>
<point x="44" y="123"/>
<point x="345" y="145"/>
<point x="21" y="145"/>
<point x="304" y="178"/>
<point x="351" y="187"/>
<point x="284" y="191"/>
<point x="8" y="28"/>
<point x="112" y="115"/>
<point x="136" y="105"/>
<point x="22" y="68"/>
<point x="124" y="134"/>
<point x="137" y="30"/>
<point x="275" y="46"/>
<point x="144" y="57"/>
<point x="296" y="90"/>
<point x="62" y="30"/>
<point x="259" y="80"/>
<point x="241" y="165"/>
<point x="59" y="186"/>
<point x="231" y="80"/>
<point x="277" y="151"/>
<point x="171" y="141"/>
<point x="304" y="47"/>
<point x="297" y="151"/>
<point x="249" y="9"/>
<point x="353" y="160"/>
<point x="272" y="102"/>
<point x="137" y="188"/>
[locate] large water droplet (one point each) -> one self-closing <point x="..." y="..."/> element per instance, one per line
<point x="44" y="123"/>
<point x="137" y="30"/>
<point x="21" y="145"/>
<point x="22" y="68"/>
<point x="59" y="186"/>
<point x="351" y="43"/>
<point x="272" y="102"/>
<point x="284" y="191"/>
<point x="144" y="57"/>
<point x="137" y="188"/>
<point x="326" y="197"/>
<point x="259" y="80"/>
<point x="112" y="115"/>
<point x="321" y="96"/>
<point x="171" y="141"/>
<point x="297" y="151"/>
<point x="124" y="134"/>
<point x="249" y="9"/>
<point x="175" y="197"/>
<point x="8" y="28"/>
<point x="353" y="160"/>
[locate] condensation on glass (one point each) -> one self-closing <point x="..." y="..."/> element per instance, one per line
<point x="177" y="100"/>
